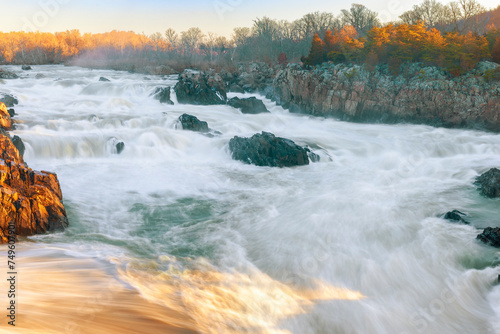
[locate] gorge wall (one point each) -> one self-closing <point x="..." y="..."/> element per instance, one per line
<point x="422" y="95"/>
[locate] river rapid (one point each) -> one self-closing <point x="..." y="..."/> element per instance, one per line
<point x="173" y="236"/>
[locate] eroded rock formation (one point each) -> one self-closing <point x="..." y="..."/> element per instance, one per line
<point x="31" y="201"/>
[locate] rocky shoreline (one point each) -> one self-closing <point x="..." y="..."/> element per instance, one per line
<point x="31" y="200"/>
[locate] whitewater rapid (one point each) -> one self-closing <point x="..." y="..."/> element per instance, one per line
<point x="352" y="244"/>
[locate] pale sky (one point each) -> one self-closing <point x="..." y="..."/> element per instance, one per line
<point x="149" y="16"/>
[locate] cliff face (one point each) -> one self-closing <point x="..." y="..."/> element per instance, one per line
<point x="31" y="201"/>
<point x="418" y="95"/>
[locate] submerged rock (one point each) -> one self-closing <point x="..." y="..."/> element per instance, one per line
<point x="31" y="201"/>
<point x="8" y="75"/>
<point x="489" y="183"/>
<point x="120" y="146"/>
<point x="266" y="149"/>
<point x="455" y="216"/>
<point x="26" y="68"/>
<point x="490" y="236"/>
<point x="103" y="79"/>
<point x="163" y="95"/>
<point x="249" y="105"/>
<point x="192" y="123"/>
<point x="9" y="100"/>
<point x="200" y="88"/>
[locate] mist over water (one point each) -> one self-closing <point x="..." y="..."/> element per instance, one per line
<point x="352" y="244"/>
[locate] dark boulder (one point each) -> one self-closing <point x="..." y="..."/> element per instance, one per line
<point x="18" y="143"/>
<point x="120" y="146"/>
<point x="455" y="216"/>
<point x="266" y="149"/>
<point x="163" y="95"/>
<point x="489" y="183"/>
<point x="26" y="68"/>
<point x="490" y="236"/>
<point x="249" y="105"/>
<point x="9" y="100"/>
<point x="103" y="79"/>
<point x="11" y="112"/>
<point x="200" y="88"/>
<point x="192" y="123"/>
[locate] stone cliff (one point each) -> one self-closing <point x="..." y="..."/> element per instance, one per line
<point x="422" y="95"/>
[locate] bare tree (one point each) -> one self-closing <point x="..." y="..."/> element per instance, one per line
<point x="191" y="39"/>
<point x="172" y="37"/>
<point x="360" y="17"/>
<point x="465" y="15"/>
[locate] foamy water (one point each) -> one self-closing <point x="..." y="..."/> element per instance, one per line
<point x="353" y="244"/>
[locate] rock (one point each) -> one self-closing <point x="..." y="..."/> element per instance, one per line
<point x="420" y="95"/>
<point x="9" y="100"/>
<point x="455" y="216"/>
<point x="26" y="68"/>
<point x="103" y="79"/>
<point x="236" y="88"/>
<point x="18" y="143"/>
<point x="5" y="120"/>
<point x="31" y="201"/>
<point x="163" y="95"/>
<point x="313" y="156"/>
<point x="266" y="149"/>
<point x="489" y="183"/>
<point x="12" y="112"/>
<point x="120" y="146"/>
<point x="249" y="105"/>
<point x="192" y="123"/>
<point x="39" y="76"/>
<point x="8" y="75"/>
<point x="490" y="236"/>
<point x="200" y="88"/>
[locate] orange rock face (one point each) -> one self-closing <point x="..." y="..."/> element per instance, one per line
<point x="31" y="201"/>
<point x="5" y="120"/>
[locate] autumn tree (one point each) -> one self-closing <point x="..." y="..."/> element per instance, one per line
<point x="317" y="54"/>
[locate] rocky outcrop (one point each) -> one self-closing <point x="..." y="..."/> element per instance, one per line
<point x="162" y="94"/>
<point x="18" y="143"/>
<point x="455" y="216"/>
<point x="5" y="120"/>
<point x="489" y="183"/>
<point x="192" y="123"/>
<point x="8" y="75"/>
<point x="249" y="105"/>
<point x="8" y="100"/>
<point x="201" y="88"/>
<point x="490" y="236"/>
<point x="418" y="95"/>
<point x="253" y="77"/>
<point x="266" y="149"/>
<point x="31" y="201"/>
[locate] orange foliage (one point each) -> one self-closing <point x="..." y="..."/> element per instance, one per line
<point x="495" y="52"/>
<point x="41" y="48"/>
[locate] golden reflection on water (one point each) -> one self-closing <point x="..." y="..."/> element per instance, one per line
<point x="229" y="302"/>
<point x="58" y="294"/>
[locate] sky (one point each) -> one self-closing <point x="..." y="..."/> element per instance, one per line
<point x="150" y="16"/>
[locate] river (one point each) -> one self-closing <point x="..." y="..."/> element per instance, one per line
<point x="173" y="236"/>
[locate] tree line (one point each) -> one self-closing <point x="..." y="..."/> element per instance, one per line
<point x="431" y="32"/>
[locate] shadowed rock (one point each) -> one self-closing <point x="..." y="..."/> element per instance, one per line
<point x="455" y="216"/>
<point x="120" y="146"/>
<point x="103" y="79"/>
<point x="163" y="95"/>
<point x="18" y="143"/>
<point x="9" y="100"/>
<point x="266" y="149"/>
<point x="8" y="75"/>
<point x="192" y="123"/>
<point x="249" y="105"/>
<point x="490" y="236"/>
<point x="26" y="68"/>
<point x="200" y="88"/>
<point x="489" y="183"/>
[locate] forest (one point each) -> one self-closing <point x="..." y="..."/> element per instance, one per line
<point x="454" y="36"/>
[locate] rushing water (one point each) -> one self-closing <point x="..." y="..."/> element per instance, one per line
<point x="173" y="233"/>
